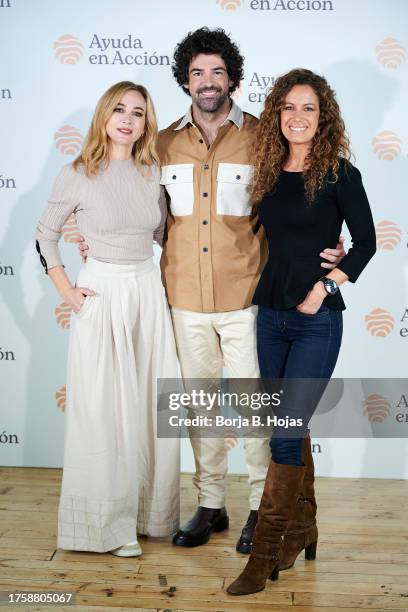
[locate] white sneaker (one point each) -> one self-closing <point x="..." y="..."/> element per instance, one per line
<point x="132" y="549"/>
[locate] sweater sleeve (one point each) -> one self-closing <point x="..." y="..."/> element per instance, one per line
<point x="159" y="231"/>
<point x="354" y="206"/>
<point x="63" y="202"/>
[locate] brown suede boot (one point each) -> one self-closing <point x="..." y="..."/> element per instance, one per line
<point x="282" y="486"/>
<point x="302" y="530"/>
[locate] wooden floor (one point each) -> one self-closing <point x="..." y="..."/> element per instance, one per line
<point x="362" y="557"/>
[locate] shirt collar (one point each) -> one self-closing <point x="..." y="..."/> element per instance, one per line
<point x="235" y="115"/>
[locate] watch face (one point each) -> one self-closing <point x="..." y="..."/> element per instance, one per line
<point x="330" y="285"/>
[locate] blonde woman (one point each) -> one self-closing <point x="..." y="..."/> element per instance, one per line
<point x="118" y="478"/>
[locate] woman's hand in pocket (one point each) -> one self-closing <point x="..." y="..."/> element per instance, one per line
<point x="313" y="300"/>
<point x="75" y="297"/>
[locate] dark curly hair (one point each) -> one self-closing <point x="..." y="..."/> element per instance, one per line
<point x="209" y="42"/>
<point x="271" y="149"/>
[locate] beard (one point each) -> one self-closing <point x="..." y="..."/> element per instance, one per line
<point x="213" y="104"/>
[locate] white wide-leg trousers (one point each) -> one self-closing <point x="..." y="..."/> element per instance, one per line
<point x="118" y="477"/>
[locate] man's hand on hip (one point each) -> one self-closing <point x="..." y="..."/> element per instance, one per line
<point x="333" y="256"/>
<point x="82" y="247"/>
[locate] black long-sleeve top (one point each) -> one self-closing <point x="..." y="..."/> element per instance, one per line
<point x="298" y="230"/>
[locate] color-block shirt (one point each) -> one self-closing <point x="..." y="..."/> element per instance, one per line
<point x="215" y="247"/>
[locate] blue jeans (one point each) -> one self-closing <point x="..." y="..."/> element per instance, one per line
<point x="301" y="346"/>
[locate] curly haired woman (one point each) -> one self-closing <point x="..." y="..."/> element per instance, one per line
<point x="304" y="187"/>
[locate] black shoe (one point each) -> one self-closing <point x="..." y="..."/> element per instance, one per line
<point x="244" y="544"/>
<point x="198" y="530"/>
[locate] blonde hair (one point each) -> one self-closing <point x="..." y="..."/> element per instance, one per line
<point x="96" y="150"/>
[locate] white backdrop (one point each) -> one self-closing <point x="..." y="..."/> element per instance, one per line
<point x="58" y="58"/>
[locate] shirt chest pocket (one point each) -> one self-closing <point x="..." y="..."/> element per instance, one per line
<point x="178" y="181"/>
<point x="232" y="189"/>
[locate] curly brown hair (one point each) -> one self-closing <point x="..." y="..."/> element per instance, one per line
<point x="209" y="42"/>
<point x="271" y="149"/>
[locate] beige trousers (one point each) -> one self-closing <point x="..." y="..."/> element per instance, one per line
<point x="205" y="343"/>
<point x="118" y="477"/>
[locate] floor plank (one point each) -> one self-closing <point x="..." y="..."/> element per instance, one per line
<point x="362" y="556"/>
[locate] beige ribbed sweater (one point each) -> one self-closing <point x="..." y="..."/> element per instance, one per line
<point x="119" y="212"/>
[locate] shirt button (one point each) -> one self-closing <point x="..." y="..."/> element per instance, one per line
<point x="174" y="177"/>
<point x="206" y="166"/>
<point x="238" y="177"/>
<point x="205" y="249"/>
<point x="205" y="194"/>
<point x="205" y="222"/>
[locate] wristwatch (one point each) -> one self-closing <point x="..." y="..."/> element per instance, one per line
<point x="330" y="285"/>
